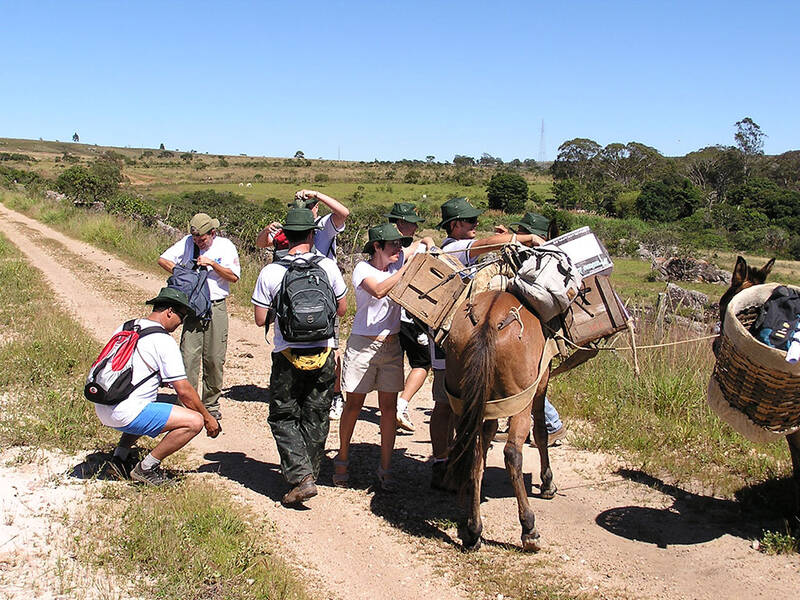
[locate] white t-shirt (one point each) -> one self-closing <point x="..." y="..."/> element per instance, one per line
<point x="154" y="351"/>
<point x="221" y="251"/>
<point x="325" y="238"/>
<point x="268" y="285"/>
<point x="374" y="316"/>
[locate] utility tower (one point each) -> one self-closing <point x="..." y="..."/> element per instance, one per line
<point x="541" y="156"/>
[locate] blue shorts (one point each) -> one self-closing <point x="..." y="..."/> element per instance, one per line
<point x="150" y="421"/>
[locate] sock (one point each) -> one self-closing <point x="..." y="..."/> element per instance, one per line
<point x="122" y="453"/>
<point x="150" y="462"/>
<point x="402" y="405"/>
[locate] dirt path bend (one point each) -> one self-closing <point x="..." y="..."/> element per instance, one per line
<point x="615" y="532"/>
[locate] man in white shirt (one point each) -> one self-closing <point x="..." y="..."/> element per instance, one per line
<point x="206" y="342"/>
<point x="460" y="220"/>
<point x="139" y="414"/>
<point x="302" y="375"/>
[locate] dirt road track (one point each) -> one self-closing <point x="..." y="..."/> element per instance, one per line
<point x="611" y="532"/>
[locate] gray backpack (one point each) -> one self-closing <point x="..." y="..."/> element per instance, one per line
<point x="305" y="306"/>
<point x="547" y="281"/>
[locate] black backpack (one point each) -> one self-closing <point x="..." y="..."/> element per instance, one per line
<point x="779" y="318"/>
<point x="306" y="305"/>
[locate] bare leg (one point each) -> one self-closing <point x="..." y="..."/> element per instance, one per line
<point x="512" y="453"/>
<point x="352" y="408"/>
<point x="414" y="382"/>
<point x="387" y="403"/>
<point x="183" y="424"/>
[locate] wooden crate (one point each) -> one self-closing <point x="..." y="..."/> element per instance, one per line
<point x="597" y="312"/>
<point x="429" y="287"/>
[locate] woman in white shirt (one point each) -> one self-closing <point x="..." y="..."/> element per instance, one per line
<point x="373" y="359"/>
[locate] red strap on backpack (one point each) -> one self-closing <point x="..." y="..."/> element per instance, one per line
<point x="126" y="340"/>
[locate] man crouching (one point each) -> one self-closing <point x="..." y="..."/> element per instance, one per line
<point x="156" y="361"/>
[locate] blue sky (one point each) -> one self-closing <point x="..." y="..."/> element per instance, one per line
<point x="366" y="80"/>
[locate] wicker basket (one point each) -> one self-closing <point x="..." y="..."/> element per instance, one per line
<point x="753" y="377"/>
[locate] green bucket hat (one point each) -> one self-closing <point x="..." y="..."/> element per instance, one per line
<point x="299" y="219"/>
<point x="458" y="208"/>
<point x="404" y="211"/>
<point x="201" y="224"/>
<point x="385" y="232"/>
<point x="534" y="223"/>
<point x="172" y="297"/>
<point x="308" y="203"/>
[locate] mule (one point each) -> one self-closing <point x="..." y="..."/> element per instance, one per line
<point x="745" y="276"/>
<point x="494" y="351"/>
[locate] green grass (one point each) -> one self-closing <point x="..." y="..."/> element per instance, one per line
<point x="775" y="542"/>
<point x="187" y="542"/>
<point x="44" y="356"/>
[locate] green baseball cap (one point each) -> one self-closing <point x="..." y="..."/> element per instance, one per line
<point x="299" y="219"/>
<point x="385" y="232"/>
<point x="534" y="223"/>
<point x="458" y="208"/>
<point x="172" y="297"/>
<point x="404" y="211"/>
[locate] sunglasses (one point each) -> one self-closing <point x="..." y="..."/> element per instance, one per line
<point x="180" y="313"/>
<point x="471" y="220"/>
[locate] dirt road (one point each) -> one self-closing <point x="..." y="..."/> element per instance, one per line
<point x="610" y="531"/>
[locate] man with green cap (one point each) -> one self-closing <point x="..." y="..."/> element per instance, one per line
<point x="542" y="226"/>
<point x="157" y="361"/>
<point x="204" y="341"/>
<point x="302" y="375"/>
<point x="460" y="220"/>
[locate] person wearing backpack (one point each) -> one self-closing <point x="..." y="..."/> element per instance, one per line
<point x="306" y="291"/>
<point x="204" y="340"/>
<point x="329" y="227"/>
<point x="155" y="360"/>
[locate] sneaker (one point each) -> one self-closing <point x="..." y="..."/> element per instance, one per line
<point x="302" y="491"/>
<point x="337" y="406"/>
<point x="404" y="421"/>
<point x="554" y="438"/>
<point x="155" y="476"/>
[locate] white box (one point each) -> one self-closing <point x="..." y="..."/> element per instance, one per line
<point x="586" y="251"/>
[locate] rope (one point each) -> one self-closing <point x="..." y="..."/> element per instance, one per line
<point x="633" y="347"/>
<point x="515" y="313"/>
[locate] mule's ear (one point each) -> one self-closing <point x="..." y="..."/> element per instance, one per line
<point x="739" y="272"/>
<point x="552" y="230"/>
<point x="767" y="267"/>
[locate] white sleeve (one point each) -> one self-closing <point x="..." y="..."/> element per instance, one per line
<point x="360" y="273"/>
<point x="230" y="259"/>
<point x="176" y="251"/>
<point x="262" y="295"/>
<point x="336" y="279"/>
<point x="170" y="361"/>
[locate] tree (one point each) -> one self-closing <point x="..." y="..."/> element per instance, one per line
<point x="671" y="198"/>
<point x="507" y="191"/>
<point x="715" y="169"/>
<point x="750" y="140"/>
<point x="161" y="146"/>
<point x="463" y="161"/>
<point x="487" y="160"/>
<point x="576" y="160"/>
<point x="430" y="158"/>
<point x="299" y="154"/>
<point x="75" y="137"/>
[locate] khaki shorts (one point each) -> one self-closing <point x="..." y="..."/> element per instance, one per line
<point x="372" y="365"/>
<point x="439" y="393"/>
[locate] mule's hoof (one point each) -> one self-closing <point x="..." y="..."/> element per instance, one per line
<point x="472" y="546"/>
<point x="548" y="493"/>
<point x="531" y="542"/>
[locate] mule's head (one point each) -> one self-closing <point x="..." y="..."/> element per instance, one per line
<point x="743" y="277"/>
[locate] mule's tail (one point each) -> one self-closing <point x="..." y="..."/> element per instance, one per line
<point x="477" y="383"/>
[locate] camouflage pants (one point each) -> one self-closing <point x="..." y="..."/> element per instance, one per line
<point x="298" y="415"/>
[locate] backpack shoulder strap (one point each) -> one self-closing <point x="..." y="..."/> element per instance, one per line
<point x="153" y="329"/>
<point x="129" y="325"/>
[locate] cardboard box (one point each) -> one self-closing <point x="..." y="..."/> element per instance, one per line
<point x="586" y="251"/>
<point x="430" y="287"/>
<point x="596" y="313"/>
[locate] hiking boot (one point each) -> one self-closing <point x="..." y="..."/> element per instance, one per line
<point x="155" y="476"/>
<point x="404" y="421"/>
<point x="302" y="491"/>
<point x="337" y="406"/>
<point x="554" y="438"/>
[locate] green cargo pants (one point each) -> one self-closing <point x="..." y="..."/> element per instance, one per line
<point x="206" y="344"/>
<point x="298" y="415"/>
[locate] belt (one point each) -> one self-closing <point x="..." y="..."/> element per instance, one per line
<point x="215" y="302"/>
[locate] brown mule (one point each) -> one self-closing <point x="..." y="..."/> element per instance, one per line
<point x="487" y="362"/>
<point x="744" y="277"/>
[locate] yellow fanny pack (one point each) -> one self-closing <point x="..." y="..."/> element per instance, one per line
<point x="307" y="362"/>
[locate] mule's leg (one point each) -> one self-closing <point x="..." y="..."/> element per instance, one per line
<point x="794" y="449"/>
<point x="548" y="489"/>
<point x="512" y="453"/>
<point x="471" y="535"/>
